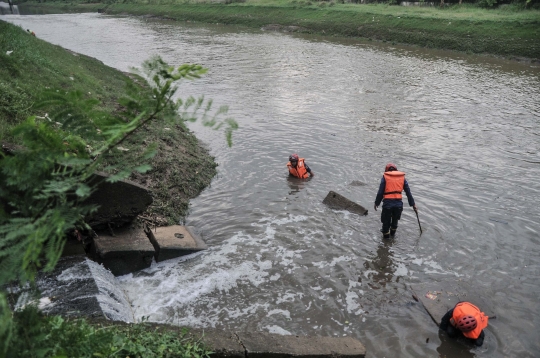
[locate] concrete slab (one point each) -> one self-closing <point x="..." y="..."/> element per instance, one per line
<point x="129" y="250"/>
<point x="267" y="345"/>
<point x="222" y="343"/>
<point x="439" y="297"/>
<point x="174" y="241"/>
<point x="338" y="202"/>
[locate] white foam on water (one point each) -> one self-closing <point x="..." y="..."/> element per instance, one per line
<point x="429" y="266"/>
<point x="285" y="313"/>
<point x="111" y="297"/>
<point x="352" y="298"/>
<point x="367" y="272"/>
<point x="45" y="302"/>
<point x="191" y="291"/>
<point x="78" y="271"/>
<point x="401" y="270"/>
<point x="278" y="330"/>
<point x="290" y="219"/>
<point x="334" y="261"/>
<point x="24" y="299"/>
<point x="289" y="297"/>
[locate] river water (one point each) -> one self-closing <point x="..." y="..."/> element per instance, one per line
<point x="465" y="130"/>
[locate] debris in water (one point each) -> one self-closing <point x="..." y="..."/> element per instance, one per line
<point x="431" y="295"/>
<point x="415" y="297"/>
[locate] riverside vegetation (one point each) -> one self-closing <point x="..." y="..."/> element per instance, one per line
<point x="509" y="30"/>
<point x="66" y="116"/>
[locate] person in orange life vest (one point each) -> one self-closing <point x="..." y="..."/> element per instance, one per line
<point x="467" y="320"/>
<point x="392" y="184"/>
<point x="298" y="168"/>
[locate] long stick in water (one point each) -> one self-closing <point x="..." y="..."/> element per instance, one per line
<point x="417" y="218"/>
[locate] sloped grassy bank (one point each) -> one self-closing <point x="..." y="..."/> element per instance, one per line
<point x="497" y="32"/>
<point x="28" y="66"/>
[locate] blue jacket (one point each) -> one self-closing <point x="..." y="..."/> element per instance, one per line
<point x="393" y="203"/>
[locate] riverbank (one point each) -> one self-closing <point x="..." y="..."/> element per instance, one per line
<point x="182" y="167"/>
<point x="502" y="32"/>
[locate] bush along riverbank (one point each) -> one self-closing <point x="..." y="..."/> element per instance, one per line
<point x="507" y="31"/>
<point x="30" y="67"/>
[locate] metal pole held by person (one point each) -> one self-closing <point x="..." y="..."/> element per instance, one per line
<point x="417" y="218"/>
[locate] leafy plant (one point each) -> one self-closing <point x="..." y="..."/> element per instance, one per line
<point x="35" y="335"/>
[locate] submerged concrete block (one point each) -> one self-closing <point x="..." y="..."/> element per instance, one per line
<point x="338" y="202"/>
<point x="127" y="251"/>
<point x="439" y="297"/>
<point x="119" y="203"/>
<point x="174" y="241"/>
<point x="266" y="345"/>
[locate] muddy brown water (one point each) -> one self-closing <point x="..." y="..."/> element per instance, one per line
<point x="465" y="129"/>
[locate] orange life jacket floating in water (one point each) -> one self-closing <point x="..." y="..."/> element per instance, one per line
<point x="300" y="170"/>
<point x="395" y="181"/>
<point x="468" y="309"/>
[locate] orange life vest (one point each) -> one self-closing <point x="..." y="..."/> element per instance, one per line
<point x="468" y="309"/>
<point x="395" y="181"/>
<point x="300" y="170"/>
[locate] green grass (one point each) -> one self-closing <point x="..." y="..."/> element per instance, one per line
<point x="34" y="335"/>
<point x="181" y="168"/>
<point x="506" y="31"/>
<point x="35" y="65"/>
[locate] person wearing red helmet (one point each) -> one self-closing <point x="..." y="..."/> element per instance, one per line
<point x="298" y="167"/>
<point x="467" y="320"/>
<point x="393" y="183"/>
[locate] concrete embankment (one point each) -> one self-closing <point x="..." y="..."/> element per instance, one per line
<point x="232" y="344"/>
<point x="512" y="37"/>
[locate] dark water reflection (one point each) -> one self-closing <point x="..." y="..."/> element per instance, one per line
<point x="465" y="129"/>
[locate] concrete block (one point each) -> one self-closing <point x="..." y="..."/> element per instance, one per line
<point x="267" y="345"/>
<point x="73" y="247"/>
<point x="174" y="241"/>
<point x="119" y="203"/>
<point x="129" y="250"/>
<point x="338" y="202"/>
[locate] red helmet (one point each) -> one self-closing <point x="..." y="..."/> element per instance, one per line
<point x="390" y="167"/>
<point x="293" y="158"/>
<point x="466" y="323"/>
